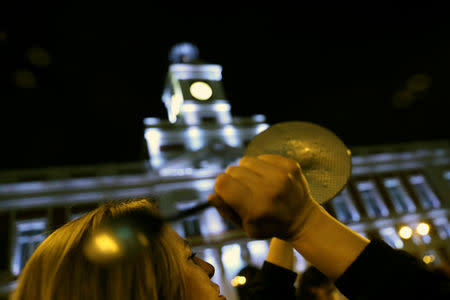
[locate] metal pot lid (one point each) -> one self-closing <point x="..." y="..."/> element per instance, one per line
<point x="323" y="157"/>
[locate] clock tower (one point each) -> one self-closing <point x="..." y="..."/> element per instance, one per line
<point x="193" y="91"/>
<point x="200" y="134"/>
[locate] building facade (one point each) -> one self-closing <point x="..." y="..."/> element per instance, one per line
<point x="399" y="193"/>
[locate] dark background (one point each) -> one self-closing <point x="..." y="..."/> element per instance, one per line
<point x="373" y="75"/>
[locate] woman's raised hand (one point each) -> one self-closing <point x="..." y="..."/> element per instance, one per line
<point x="267" y="196"/>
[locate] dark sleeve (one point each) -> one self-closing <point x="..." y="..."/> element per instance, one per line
<point x="381" y="272"/>
<point x="273" y="282"/>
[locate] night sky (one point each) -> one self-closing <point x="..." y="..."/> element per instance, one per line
<point x="77" y="81"/>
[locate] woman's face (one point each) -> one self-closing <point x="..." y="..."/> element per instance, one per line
<point x="197" y="272"/>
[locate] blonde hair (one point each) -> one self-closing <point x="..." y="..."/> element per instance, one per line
<point x="59" y="270"/>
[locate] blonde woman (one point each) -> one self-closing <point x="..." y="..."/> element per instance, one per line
<point x="166" y="269"/>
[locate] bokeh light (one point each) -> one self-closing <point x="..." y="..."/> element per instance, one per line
<point x="423" y="228"/>
<point x="238" y="280"/>
<point x="38" y="56"/>
<point x="2" y="36"/>
<point x="428" y="259"/>
<point x="403" y="99"/>
<point x="405" y="232"/>
<point x="418" y="82"/>
<point x="106" y="244"/>
<point x="24" y="79"/>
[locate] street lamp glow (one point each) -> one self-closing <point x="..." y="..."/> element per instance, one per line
<point x="428" y="259"/>
<point x="423" y="228"/>
<point x="405" y="232"/>
<point x="238" y="280"/>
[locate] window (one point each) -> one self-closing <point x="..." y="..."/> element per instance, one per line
<point x="399" y="197"/>
<point x="442" y="226"/>
<point x="29" y="234"/>
<point x="300" y="263"/>
<point x="232" y="260"/>
<point x="178" y="228"/>
<point x="390" y="236"/>
<point x="447" y="176"/>
<point x="372" y="201"/>
<point x="191" y="227"/>
<point x="424" y="193"/>
<point x="211" y="222"/>
<point x="258" y="251"/>
<point x="344" y="207"/>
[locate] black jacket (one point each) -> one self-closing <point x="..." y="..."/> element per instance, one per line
<point x="380" y="272"/>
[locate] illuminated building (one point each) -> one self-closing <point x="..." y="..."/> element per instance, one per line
<point x="391" y="186"/>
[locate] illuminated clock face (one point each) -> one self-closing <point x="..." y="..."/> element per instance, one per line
<point x="200" y="90"/>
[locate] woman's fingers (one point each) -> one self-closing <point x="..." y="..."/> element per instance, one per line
<point x="233" y="191"/>
<point x="224" y="210"/>
<point x="286" y="164"/>
<point x="244" y="175"/>
<point x="265" y="195"/>
<point x="262" y="168"/>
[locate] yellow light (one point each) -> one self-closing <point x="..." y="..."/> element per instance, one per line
<point x="405" y="232"/>
<point x="106" y="244"/>
<point x="24" y="79"/>
<point x="419" y="82"/>
<point x="428" y="259"/>
<point x="38" y="56"/>
<point x="238" y="280"/>
<point x="423" y="228"/>
<point x="241" y="280"/>
<point x="200" y="90"/>
<point x="234" y="282"/>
